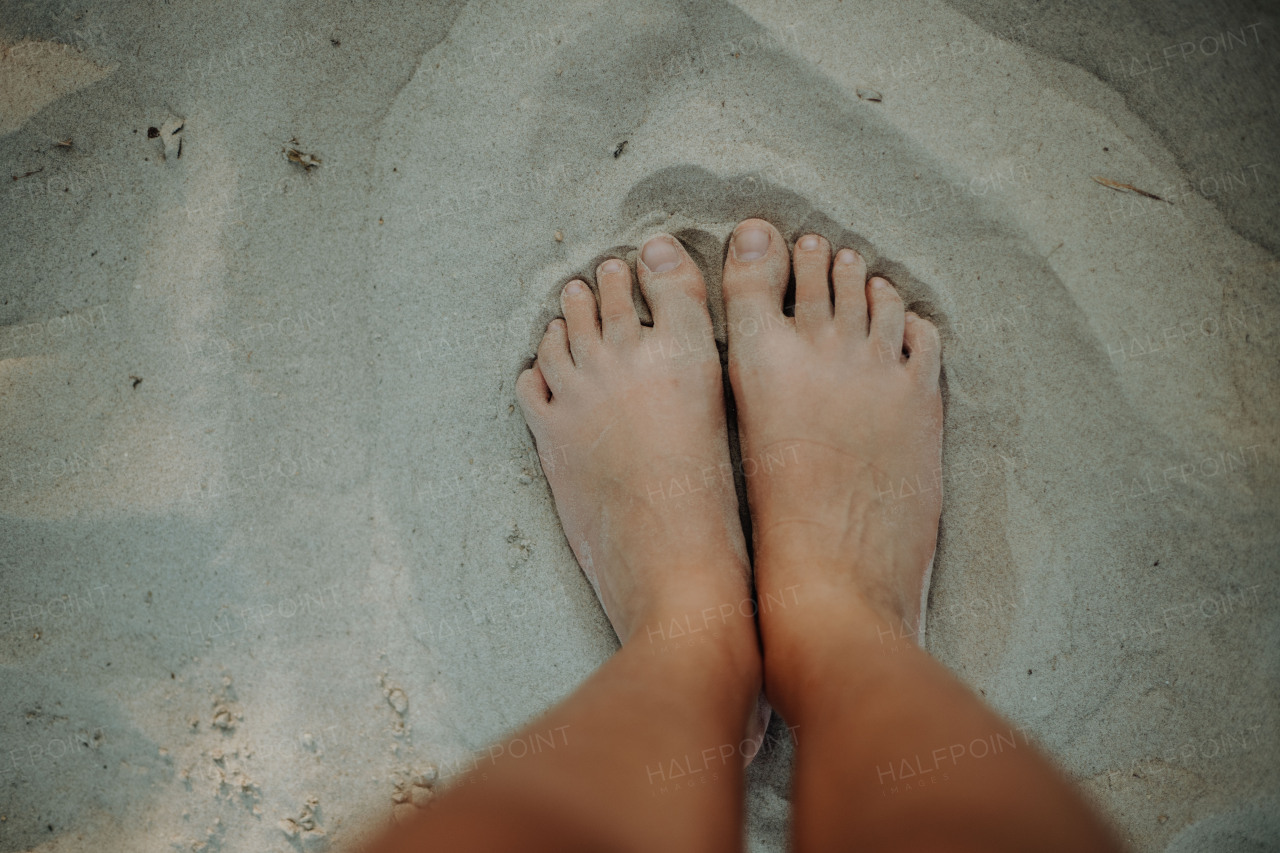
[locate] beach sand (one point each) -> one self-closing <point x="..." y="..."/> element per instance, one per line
<point x="276" y="542"/>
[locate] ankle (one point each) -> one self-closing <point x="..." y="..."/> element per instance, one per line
<point x="806" y="643"/>
<point x="713" y="635"/>
<point x="831" y="604"/>
<point x="712" y="603"/>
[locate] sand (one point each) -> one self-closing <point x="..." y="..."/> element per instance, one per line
<point x="276" y="544"/>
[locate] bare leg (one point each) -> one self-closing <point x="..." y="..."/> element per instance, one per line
<point x="840" y="411"/>
<point x="630" y="425"/>
<point x="644" y="756"/>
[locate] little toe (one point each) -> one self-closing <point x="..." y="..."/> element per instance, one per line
<point x="533" y="395"/>
<point x="553" y="356"/>
<point x="672" y="284"/>
<point x="849" y="282"/>
<point x="618" y="318"/>
<point x="888" y="316"/>
<point x="924" y="348"/>
<point x="581" y="319"/>
<point x="812" y="264"/>
<point x="755" y="277"/>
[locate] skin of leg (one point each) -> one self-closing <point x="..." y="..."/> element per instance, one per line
<point x="840" y="410"/>
<point x="630" y="426"/>
<point x="646" y="757"/>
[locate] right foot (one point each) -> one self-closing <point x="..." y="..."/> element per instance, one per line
<point x="840" y="420"/>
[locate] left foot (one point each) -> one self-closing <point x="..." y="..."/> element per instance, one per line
<point x="629" y="422"/>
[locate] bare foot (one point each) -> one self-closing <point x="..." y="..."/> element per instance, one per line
<point x="630" y="426"/>
<point x="840" y="419"/>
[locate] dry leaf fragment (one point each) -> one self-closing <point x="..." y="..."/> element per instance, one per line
<point x="293" y="155"/>
<point x="870" y="95"/>
<point x="1116" y="185"/>
<point x="171" y="136"/>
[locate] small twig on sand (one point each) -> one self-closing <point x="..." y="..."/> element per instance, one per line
<point x="1119" y="187"/>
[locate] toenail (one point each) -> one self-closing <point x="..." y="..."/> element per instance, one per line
<point x="879" y="282"/>
<point x="575" y="288"/>
<point x="911" y="318"/>
<point x="809" y="243"/>
<point x="750" y="243"/>
<point x="611" y="266"/>
<point x="659" y="254"/>
<point x="846" y="256"/>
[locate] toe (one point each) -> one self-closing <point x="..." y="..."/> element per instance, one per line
<point x="755" y="277"/>
<point x="533" y="395"/>
<point x="849" y="282"/>
<point x="924" y="348"/>
<point x="672" y="284"/>
<point x="887" y="318"/>
<point x="617" y="309"/>
<point x="583" y="324"/>
<point x="813" y="290"/>
<point x="553" y="356"/>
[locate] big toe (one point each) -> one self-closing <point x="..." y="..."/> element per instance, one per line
<point x="755" y="276"/>
<point x="672" y="284"/>
<point x="924" y="348"/>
